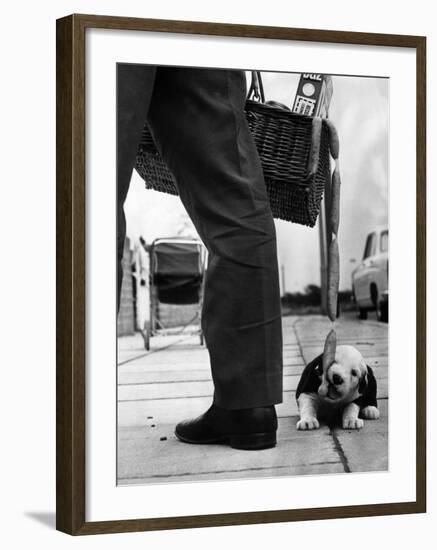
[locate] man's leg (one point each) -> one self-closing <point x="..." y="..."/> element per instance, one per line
<point x="198" y="123"/>
<point x="134" y="90"/>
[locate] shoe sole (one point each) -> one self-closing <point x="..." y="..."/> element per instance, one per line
<point x="247" y="442"/>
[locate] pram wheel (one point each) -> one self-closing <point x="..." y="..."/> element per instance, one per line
<point x="146" y="336"/>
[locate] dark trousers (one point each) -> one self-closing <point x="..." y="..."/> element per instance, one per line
<point x="197" y="120"/>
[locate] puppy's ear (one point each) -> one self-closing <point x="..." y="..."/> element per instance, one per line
<point x="368" y="389"/>
<point x="311" y="377"/>
<point x="363" y="384"/>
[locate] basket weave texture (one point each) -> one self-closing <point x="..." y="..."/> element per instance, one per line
<point x="283" y="140"/>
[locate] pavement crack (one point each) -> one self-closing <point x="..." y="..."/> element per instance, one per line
<point x="299" y="344"/>
<point x="150" y="352"/>
<point x="227" y="471"/>
<point x="340" y="451"/>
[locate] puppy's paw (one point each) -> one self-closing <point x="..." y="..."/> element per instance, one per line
<point x="308" y="423"/>
<point x="352" y="423"/>
<point x="370" y="413"/>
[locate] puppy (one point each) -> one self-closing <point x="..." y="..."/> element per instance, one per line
<point x="350" y="390"/>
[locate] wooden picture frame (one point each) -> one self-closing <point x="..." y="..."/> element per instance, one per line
<point x="71" y="252"/>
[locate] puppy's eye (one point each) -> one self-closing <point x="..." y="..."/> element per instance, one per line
<point x="354" y="373"/>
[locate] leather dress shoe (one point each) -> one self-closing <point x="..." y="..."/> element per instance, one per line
<point x="249" y="429"/>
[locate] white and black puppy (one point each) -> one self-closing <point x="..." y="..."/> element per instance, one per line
<point x="350" y="390"/>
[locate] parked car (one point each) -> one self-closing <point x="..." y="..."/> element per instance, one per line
<point x="370" y="277"/>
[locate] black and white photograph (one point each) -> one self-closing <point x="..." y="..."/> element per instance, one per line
<point x="252" y="254"/>
<point x="218" y="286"/>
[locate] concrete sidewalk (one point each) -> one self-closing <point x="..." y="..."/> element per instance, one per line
<point x="172" y="382"/>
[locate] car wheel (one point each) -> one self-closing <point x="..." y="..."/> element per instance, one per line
<point x="374" y="296"/>
<point x="382" y="312"/>
<point x="362" y="313"/>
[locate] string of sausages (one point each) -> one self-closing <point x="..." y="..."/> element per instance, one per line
<point x="333" y="225"/>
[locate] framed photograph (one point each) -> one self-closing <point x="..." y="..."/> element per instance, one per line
<point x="240" y="274"/>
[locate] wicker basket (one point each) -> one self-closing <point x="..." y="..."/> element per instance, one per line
<point x="295" y="169"/>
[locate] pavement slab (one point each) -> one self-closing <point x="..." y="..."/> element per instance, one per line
<point x="172" y="381"/>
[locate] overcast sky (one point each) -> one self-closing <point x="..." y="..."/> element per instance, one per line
<point x="360" y="112"/>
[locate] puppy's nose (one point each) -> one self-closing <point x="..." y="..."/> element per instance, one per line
<point x="337" y="380"/>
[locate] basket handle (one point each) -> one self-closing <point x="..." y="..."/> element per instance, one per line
<point x="256" y="90"/>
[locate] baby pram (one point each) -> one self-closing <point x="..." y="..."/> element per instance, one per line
<point x="177" y="272"/>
